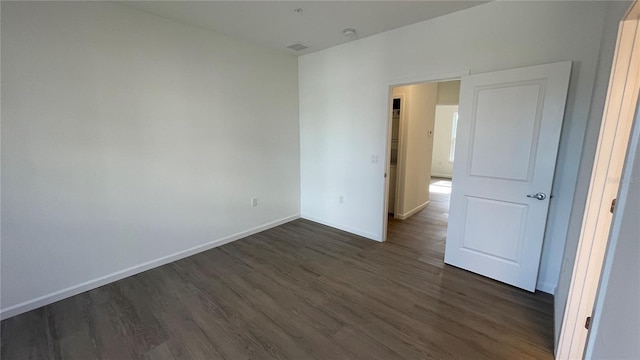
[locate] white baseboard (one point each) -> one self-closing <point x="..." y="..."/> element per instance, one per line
<point x="446" y="176"/>
<point x="411" y="212"/>
<point x="366" y="234"/>
<point x="547" y="287"/>
<point x="103" y="280"/>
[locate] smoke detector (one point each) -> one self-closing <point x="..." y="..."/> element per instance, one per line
<point x="297" y="46"/>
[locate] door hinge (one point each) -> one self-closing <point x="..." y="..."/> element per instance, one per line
<point x="613" y="205"/>
<point x="587" y="323"/>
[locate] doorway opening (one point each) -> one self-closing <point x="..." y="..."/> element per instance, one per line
<point x="506" y="144"/>
<point x="423" y="126"/>
<point x="423" y="131"/>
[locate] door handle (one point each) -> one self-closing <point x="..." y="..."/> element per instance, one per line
<point x="539" y="196"/>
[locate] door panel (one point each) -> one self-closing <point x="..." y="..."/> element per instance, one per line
<point x="505" y="229"/>
<point x="499" y="154"/>
<point x="508" y="133"/>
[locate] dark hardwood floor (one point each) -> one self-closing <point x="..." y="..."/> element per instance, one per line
<point x="298" y="291"/>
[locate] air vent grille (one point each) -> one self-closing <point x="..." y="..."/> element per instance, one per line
<point x="297" y="46"/>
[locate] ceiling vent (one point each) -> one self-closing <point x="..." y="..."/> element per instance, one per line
<point x="297" y="46"/>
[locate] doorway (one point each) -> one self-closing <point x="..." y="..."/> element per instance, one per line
<point x="505" y="151"/>
<point x="422" y="141"/>
<point x="422" y="130"/>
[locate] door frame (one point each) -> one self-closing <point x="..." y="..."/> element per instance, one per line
<point x="427" y="78"/>
<point x="614" y="237"/>
<point x="613" y="141"/>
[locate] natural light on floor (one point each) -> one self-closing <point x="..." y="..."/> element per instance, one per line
<point x="440" y="187"/>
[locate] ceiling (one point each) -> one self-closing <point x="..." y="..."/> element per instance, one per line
<point x="276" y="24"/>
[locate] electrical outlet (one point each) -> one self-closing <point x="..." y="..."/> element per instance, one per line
<point x="374" y="159"/>
<point x="254" y="202"/>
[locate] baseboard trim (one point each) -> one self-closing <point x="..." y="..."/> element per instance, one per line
<point x="408" y="214"/>
<point x="546" y="287"/>
<point x="103" y="280"/>
<point x="366" y="234"/>
<point x="446" y="176"/>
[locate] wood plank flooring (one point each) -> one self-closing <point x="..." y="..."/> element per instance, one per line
<point x="298" y="291"/>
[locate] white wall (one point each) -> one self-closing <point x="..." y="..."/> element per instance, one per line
<point x="441" y="164"/>
<point x="615" y="331"/>
<point x="449" y="92"/>
<point x="344" y="98"/>
<point x="128" y="139"/>
<point x="416" y="144"/>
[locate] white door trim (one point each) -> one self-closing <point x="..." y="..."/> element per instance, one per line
<point x="454" y="75"/>
<point x="613" y="139"/>
<point x="611" y="252"/>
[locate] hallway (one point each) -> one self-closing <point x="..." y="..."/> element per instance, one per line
<point x="426" y="230"/>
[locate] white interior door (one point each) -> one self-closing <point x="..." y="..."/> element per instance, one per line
<point x="508" y="132"/>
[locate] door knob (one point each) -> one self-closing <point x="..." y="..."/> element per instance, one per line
<point x="539" y="196"/>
